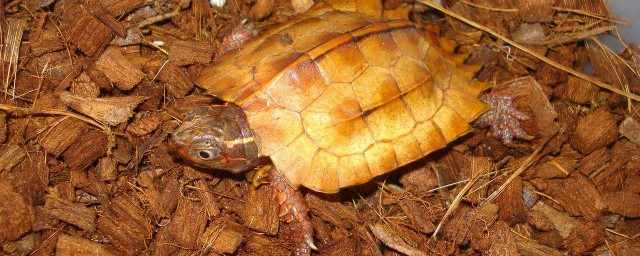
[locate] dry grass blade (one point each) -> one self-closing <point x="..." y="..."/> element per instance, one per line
<point x="456" y="202"/>
<point x="531" y="52"/>
<point x="526" y="164"/>
<point x="10" y="52"/>
<point x="26" y="112"/>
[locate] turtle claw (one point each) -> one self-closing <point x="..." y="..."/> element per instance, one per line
<point x="259" y="176"/>
<point x="309" y="242"/>
<point x="503" y="118"/>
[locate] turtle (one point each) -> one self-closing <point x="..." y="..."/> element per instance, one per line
<point x="331" y="99"/>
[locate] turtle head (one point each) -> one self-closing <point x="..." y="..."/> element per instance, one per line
<point x="215" y="137"/>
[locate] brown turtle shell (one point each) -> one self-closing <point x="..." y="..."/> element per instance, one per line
<point x="337" y="98"/>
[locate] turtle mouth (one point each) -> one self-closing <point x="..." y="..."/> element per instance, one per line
<point x="177" y="149"/>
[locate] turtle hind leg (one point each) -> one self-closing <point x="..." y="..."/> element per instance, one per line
<point x="294" y="211"/>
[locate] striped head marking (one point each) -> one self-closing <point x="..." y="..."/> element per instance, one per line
<point x="215" y="137"/>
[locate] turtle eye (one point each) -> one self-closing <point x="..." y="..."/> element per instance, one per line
<point x="205" y="154"/>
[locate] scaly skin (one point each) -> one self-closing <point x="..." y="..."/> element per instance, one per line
<point x="293" y="210"/>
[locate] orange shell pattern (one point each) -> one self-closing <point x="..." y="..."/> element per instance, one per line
<point x="337" y="98"/>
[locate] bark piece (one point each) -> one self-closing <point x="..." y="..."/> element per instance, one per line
<point x="144" y="123"/>
<point x="113" y="110"/>
<point x="263" y="245"/>
<point x="125" y="225"/>
<point x="188" y="223"/>
<point x="47" y="41"/>
<point x="63" y="134"/>
<point x="11" y="155"/>
<point x="72" y="245"/>
<point x="578" y="196"/>
<point x="391" y="239"/>
<point x="503" y="240"/>
<point x="577" y="90"/>
<point x="611" y="176"/>
<point x="119" y="69"/>
<point x="629" y="128"/>
<point x="16" y="214"/>
<point x="561" y="220"/>
<point x="221" y="240"/>
<point x="585" y="237"/>
<point x="73" y="213"/>
<point x="119" y="7"/>
<point x="106" y="169"/>
<point x="594" y="161"/>
<point x="85" y="151"/>
<point x="162" y="194"/>
<point x="536" y="11"/>
<point x="594" y="131"/>
<point x="208" y="199"/>
<point x="177" y="80"/>
<point x="87" y="32"/>
<point x="511" y="204"/>
<point x="183" y="53"/>
<point x="261" y="211"/>
<point x="624" y="203"/>
<point x="3" y="126"/>
<point x="539" y="221"/>
<point x="329" y="208"/>
<point x="528" y="247"/>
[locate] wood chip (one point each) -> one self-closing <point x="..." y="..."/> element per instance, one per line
<point x="62" y="134"/>
<point x="624" y="203"/>
<point x="73" y="213"/>
<point x="162" y="194"/>
<point x="87" y="32"/>
<point x="177" y="80"/>
<point x="562" y="221"/>
<point x="71" y="245"/>
<point x="188" y="52"/>
<point x="390" y="238"/>
<point x="11" y="155"/>
<point x="85" y="151"/>
<point x="578" y="195"/>
<point x="503" y="240"/>
<point x="16" y="214"/>
<point x="595" y="161"/>
<point x="187" y="224"/>
<point x="595" y="131"/>
<point x="113" y="110"/>
<point x="577" y="90"/>
<point x="3" y="126"/>
<point x="263" y="245"/>
<point x="629" y="128"/>
<point x="539" y="221"/>
<point x="119" y="69"/>
<point x="536" y="11"/>
<point x="106" y="169"/>
<point x="221" y="240"/>
<point x="510" y="203"/>
<point x="528" y="247"/>
<point x="261" y="211"/>
<point x="47" y="41"/>
<point x="330" y="209"/>
<point x="208" y="198"/>
<point x="125" y="225"/>
<point x="585" y="237"/>
<point x="144" y="123"/>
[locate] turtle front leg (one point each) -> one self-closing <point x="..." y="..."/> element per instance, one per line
<point x="294" y="211"/>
